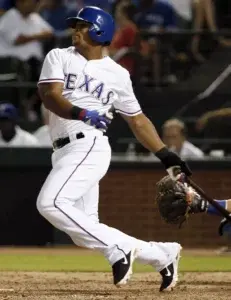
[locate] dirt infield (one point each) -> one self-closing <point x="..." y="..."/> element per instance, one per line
<point x="81" y="286"/>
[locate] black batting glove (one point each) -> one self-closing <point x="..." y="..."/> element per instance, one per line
<point x="170" y="160"/>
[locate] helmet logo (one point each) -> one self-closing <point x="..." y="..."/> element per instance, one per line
<point x="99" y="20"/>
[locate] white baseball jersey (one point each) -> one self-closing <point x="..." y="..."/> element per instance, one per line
<point x="92" y="85"/>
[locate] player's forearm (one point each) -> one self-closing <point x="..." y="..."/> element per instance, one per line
<point x="146" y="134"/>
<point x="57" y="104"/>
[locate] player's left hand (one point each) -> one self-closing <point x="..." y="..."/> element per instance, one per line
<point x="106" y="120"/>
<point x="99" y="121"/>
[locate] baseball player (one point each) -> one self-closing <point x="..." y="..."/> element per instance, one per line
<point x="176" y="201"/>
<point x="79" y="87"/>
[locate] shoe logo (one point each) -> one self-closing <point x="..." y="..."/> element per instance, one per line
<point x="125" y="262"/>
<point x="168" y="272"/>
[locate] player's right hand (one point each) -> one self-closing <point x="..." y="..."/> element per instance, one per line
<point x="174" y="165"/>
<point x="99" y="121"/>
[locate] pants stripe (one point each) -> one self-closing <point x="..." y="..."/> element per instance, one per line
<point x="56" y="197"/>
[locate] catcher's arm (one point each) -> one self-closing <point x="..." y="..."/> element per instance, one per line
<point x="224" y="212"/>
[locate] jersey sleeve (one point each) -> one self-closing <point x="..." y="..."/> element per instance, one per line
<point x="52" y="69"/>
<point x="127" y="104"/>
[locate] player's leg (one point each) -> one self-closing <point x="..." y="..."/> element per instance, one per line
<point x="158" y="255"/>
<point x="149" y="253"/>
<point x="89" y="203"/>
<point x="72" y="176"/>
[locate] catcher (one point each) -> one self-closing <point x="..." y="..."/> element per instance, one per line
<point x="176" y="201"/>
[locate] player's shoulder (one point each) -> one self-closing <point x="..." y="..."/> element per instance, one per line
<point x="117" y="68"/>
<point x="60" y="52"/>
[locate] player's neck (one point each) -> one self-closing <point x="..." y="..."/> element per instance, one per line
<point x="92" y="53"/>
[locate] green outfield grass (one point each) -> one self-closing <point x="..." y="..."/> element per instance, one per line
<point x="96" y="263"/>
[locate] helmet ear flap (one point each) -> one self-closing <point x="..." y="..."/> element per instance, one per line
<point x="99" y="32"/>
<point x="94" y="30"/>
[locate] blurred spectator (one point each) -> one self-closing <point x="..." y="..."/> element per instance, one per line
<point x="174" y="136"/>
<point x="11" y="135"/>
<point x="42" y="133"/>
<point x="196" y="15"/>
<point x="210" y="19"/>
<point x="117" y="3"/>
<point x="74" y="4"/>
<point x="184" y="11"/>
<point x="22" y="31"/>
<point x="104" y="4"/>
<point x="78" y="4"/>
<point x="124" y="40"/>
<point x="211" y="115"/>
<point x="55" y="13"/>
<point x="190" y="16"/>
<point x="5" y="5"/>
<point x="206" y="16"/>
<point x="155" y="15"/>
<point x="216" y="126"/>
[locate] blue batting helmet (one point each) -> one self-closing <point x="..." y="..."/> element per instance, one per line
<point x="8" y="111"/>
<point x="102" y="29"/>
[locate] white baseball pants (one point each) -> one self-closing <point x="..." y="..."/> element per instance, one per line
<point x="69" y="200"/>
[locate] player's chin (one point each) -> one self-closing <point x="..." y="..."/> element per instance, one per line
<point x="75" y="41"/>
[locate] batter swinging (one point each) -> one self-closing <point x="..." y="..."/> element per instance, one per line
<point x="79" y="86"/>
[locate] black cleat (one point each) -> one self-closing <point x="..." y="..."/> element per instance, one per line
<point x="167" y="278"/>
<point x="170" y="273"/>
<point x="122" y="269"/>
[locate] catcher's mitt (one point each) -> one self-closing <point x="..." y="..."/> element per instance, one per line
<point x="176" y="200"/>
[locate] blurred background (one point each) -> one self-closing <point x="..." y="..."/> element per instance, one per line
<point x="178" y="53"/>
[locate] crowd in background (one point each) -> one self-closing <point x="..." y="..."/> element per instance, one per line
<point x="30" y="28"/>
